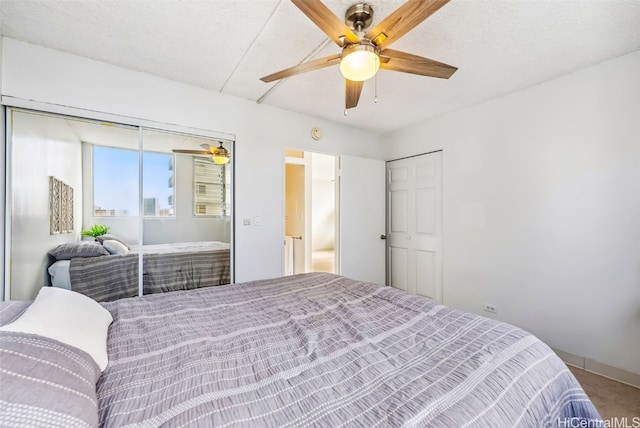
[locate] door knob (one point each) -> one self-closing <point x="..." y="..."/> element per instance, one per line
<point x="383" y="237"/>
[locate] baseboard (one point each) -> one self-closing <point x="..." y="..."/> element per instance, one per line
<point x="610" y="372"/>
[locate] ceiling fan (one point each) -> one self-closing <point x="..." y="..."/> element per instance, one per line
<point x="364" y="53"/>
<point x="219" y="154"/>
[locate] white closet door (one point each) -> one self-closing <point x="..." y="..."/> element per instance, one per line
<point x="362" y="215"/>
<point x="414" y="224"/>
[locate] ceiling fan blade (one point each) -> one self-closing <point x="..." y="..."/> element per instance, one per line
<point x="326" y="21"/>
<point x="206" y="146"/>
<point x="403" y="20"/>
<point x="352" y="93"/>
<point x="409" y="63"/>
<point x="303" y="68"/>
<point x="192" y="152"/>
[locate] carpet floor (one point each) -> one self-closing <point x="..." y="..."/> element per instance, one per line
<point x="614" y="400"/>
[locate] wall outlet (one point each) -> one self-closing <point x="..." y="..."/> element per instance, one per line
<point x="491" y="308"/>
<point x="257" y="219"/>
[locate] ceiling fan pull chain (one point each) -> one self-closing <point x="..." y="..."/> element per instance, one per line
<point x="375" y="85"/>
<point x="345" y="112"/>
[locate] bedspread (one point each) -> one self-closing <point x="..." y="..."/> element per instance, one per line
<point x="46" y="383"/>
<point x="327" y="351"/>
<point x="166" y="267"/>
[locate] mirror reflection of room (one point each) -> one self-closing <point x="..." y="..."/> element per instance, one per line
<point x="87" y="198"/>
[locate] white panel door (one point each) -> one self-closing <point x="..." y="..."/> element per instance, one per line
<point x="414" y="224"/>
<point x="362" y="218"/>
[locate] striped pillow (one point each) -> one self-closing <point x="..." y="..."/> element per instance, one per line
<point x="78" y="249"/>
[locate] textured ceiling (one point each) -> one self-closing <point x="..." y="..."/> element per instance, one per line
<point x="499" y="46"/>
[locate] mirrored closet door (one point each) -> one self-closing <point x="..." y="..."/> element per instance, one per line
<point x="90" y="202"/>
<point x="187" y="212"/>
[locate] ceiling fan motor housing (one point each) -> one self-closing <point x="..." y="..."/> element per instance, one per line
<point x="359" y="16"/>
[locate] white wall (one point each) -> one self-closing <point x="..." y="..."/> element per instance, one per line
<point x="542" y="208"/>
<point x="41" y="147"/>
<point x="262" y="132"/>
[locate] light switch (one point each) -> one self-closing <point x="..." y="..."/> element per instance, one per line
<point x="246" y="222"/>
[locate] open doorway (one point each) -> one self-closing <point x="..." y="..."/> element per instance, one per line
<point x="311" y="234"/>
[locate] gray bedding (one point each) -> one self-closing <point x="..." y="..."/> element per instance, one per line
<point x="327" y="351"/>
<point x="166" y="267"/>
<point x="45" y="383"/>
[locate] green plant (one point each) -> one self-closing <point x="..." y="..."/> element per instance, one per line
<point x="96" y="230"/>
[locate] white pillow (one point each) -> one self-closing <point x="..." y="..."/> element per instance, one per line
<point x="115" y="247"/>
<point x="68" y="317"/>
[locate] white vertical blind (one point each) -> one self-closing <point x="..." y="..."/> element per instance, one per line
<point x="209" y="192"/>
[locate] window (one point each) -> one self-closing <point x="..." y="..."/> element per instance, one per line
<point x="115" y="183"/>
<point x="210" y="193"/>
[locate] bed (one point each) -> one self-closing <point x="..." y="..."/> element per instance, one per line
<point x="305" y="350"/>
<point x="105" y="276"/>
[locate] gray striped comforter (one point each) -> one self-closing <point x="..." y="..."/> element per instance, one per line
<point x="45" y="383"/>
<point x="326" y="351"/>
<point x="166" y="267"/>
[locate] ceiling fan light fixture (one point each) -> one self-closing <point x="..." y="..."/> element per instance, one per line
<point x="359" y="62"/>
<point x="220" y="155"/>
<point x="220" y="159"/>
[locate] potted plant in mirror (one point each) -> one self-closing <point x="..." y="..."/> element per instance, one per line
<point x="95" y="231"/>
